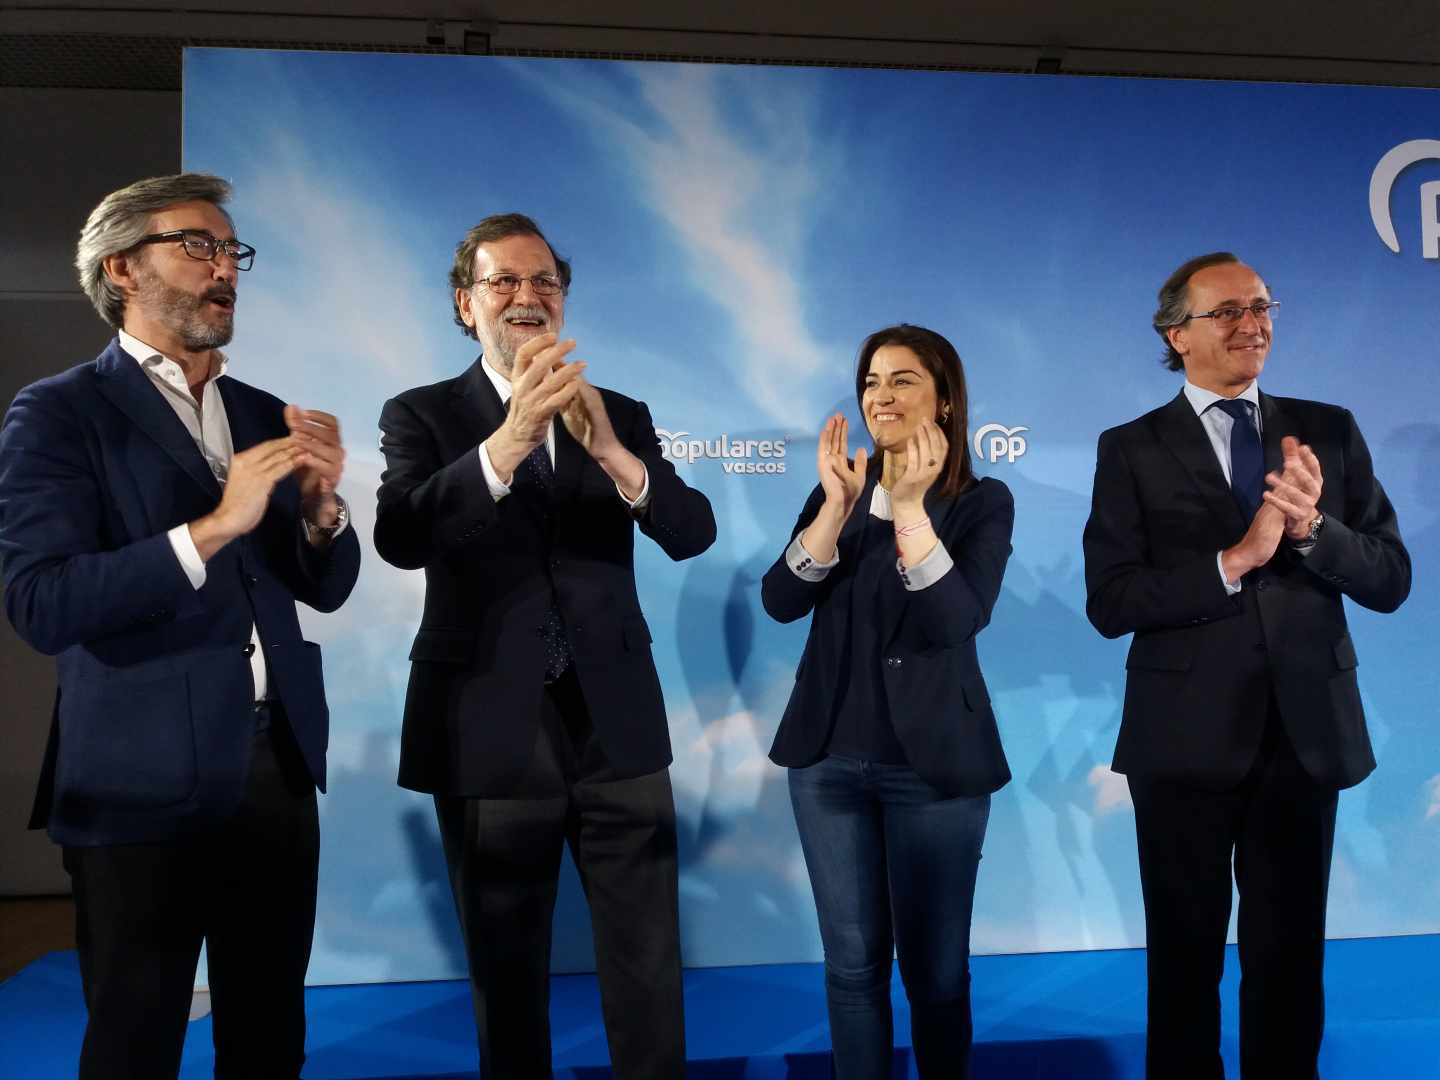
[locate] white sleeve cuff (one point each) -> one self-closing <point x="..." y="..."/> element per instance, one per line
<point x="498" y="488"/>
<point x="189" y="558"/>
<point x="928" y="570"/>
<point x="803" y="565"/>
<point x="1220" y="565"/>
<point x="641" y="500"/>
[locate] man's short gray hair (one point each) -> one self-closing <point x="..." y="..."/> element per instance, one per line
<point x="122" y="219"/>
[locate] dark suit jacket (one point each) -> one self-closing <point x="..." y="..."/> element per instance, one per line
<point x="153" y="727"/>
<point x="938" y="702"/>
<point x="1203" y="664"/>
<point x="491" y="570"/>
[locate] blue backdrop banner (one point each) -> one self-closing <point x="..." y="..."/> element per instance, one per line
<point x="736" y="232"/>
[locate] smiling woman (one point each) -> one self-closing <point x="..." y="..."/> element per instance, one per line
<point x="889" y="737"/>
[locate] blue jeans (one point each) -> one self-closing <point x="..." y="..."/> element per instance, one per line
<point x="892" y="863"/>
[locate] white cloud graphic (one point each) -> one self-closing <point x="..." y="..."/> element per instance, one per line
<point x="735" y="173"/>
<point x="1432" y="792"/>
<point x="1112" y="792"/>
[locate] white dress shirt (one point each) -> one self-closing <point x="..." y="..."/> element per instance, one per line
<point x="1217" y="422"/>
<point x="208" y="425"/>
<point x="499" y="489"/>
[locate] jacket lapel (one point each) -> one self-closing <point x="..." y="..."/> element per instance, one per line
<point x="477" y="403"/>
<point x="126" y="387"/>
<point x="480" y="411"/>
<point x="891" y="608"/>
<point x="850" y="532"/>
<point x="1275" y="424"/>
<point x="570" y="459"/>
<point x="1183" y="433"/>
<point x="245" y="429"/>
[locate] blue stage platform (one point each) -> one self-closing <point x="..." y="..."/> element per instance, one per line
<point x="1055" y="1015"/>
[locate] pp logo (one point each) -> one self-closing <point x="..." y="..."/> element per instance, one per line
<point x="996" y="441"/>
<point x="1383" y="179"/>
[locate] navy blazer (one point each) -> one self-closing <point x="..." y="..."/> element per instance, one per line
<point x="152" y="726"/>
<point x="472" y="710"/>
<point x="1204" y="665"/>
<point x="939" y="705"/>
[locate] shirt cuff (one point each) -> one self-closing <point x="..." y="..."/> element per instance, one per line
<point x="643" y="499"/>
<point x="804" y="566"/>
<point x="1304" y="549"/>
<point x="1220" y="565"/>
<point x="498" y="488"/>
<point x="187" y="555"/>
<point x="927" y="571"/>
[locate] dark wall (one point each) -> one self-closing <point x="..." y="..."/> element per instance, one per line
<point x="64" y="150"/>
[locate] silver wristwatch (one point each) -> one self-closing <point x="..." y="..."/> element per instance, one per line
<point x="327" y="532"/>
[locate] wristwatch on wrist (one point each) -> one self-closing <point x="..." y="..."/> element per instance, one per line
<point x="342" y="515"/>
<point x="1313" y="534"/>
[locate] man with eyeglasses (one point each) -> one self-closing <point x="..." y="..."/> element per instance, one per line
<point x="534" y="715"/>
<point x="159" y="520"/>
<point x="1225" y="529"/>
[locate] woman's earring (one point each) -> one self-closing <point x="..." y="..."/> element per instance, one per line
<point x="945" y="414"/>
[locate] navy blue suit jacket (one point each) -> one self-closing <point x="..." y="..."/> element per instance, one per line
<point x="1205" y="666"/>
<point x="152" y="725"/>
<point x="938" y="701"/>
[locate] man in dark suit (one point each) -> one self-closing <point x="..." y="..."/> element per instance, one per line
<point x="1226" y="527"/>
<point x="534" y="714"/>
<point x="158" y="522"/>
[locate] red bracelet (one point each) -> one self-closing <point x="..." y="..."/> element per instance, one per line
<point x="911" y="530"/>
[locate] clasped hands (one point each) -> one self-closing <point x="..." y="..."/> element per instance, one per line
<point x="312" y="451"/>
<point x="912" y="474"/>
<point x="544" y="384"/>
<point x="1290" y="504"/>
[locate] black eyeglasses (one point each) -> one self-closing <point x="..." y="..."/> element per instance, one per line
<point x="1263" y="310"/>
<point x="201" y="245"/>
<point x="504" y="284"/>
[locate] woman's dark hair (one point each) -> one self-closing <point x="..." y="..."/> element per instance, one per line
<point x="943" y="363"/>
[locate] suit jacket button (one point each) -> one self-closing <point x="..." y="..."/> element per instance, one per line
<point x="893" y="661"/>
<point x="251" y="580"/>
<point x="248" y="650"/>
<point x="1262" y="584"/>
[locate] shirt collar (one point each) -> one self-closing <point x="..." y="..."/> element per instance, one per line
<point x="148" y="357"/>
<point x="1201" y="399"/>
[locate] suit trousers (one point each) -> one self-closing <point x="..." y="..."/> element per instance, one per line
<point x="1278" y="826"/>
<point x="246" y="888"/>
<point x="504" y="860"/>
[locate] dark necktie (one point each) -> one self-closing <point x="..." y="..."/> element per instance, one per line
<point x="536" y="473"/>
<point x="1247" y="459"/>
